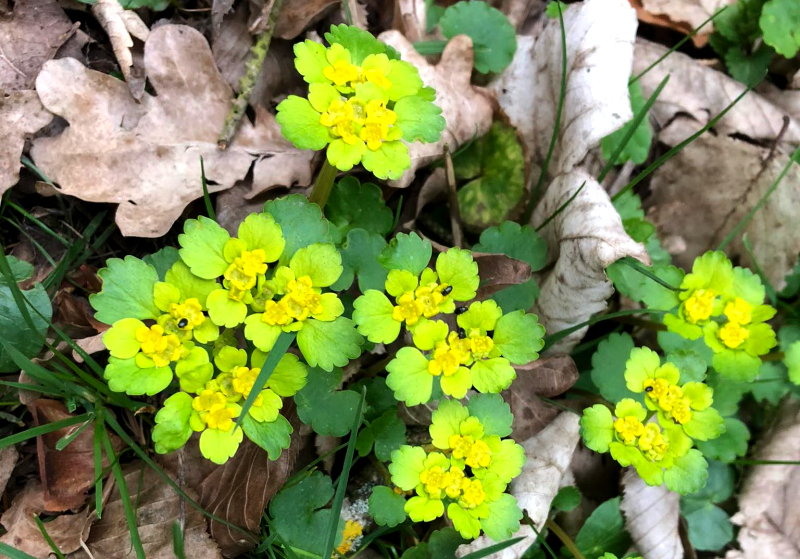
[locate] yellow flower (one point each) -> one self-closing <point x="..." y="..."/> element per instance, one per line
<point x="162" y="349"/>
<point x="448" y="356"/>
<point x="460" y="445"/>
<point x="655" y="388"/>
<point x="188" y="314"/>
<point x="480" y="345"/>
<point x="671" y="398"/>
<point x="453" y="481"/>
<point x="408" y="309"/>
<point x="341" y="72"/>
<point x="208" y="400"/>
<point x="220" y="418"/>
<point x="342" y="118"/>
<point x="699" y="306"/>
<point x="301" y="299"/>
<point x="376" y="124"/>
<point x="733" y="334"/>
<point x="472" y="495"/>
<point x="652" y="443"/>
<point x="479" y="455"/>
<point x="628" y="428"/>
<point x="739" y="311"/>
<point x="275" y="313"/>
<point x="429" y="297"/>
<point x="433" y="480"/>
<point x="243" y="380"/>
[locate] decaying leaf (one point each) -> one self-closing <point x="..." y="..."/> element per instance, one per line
<point x="122" y="26"/>
<point x="583" y="240"/>
<point x="600" y="36"/>
<point x="466" y="108"/>
<point x="411" y="19"/>
<point x="498" y="271"/>
<point x="66" y="530"/>
<point x="21" y="114"/>
<point x="682" y="15"/>
<point x="296" y="15"/>
<point x="146" y="156"/>
<point x="8" y="459"/>
<point x="28" y="39"/>
<point x="66" y="474"/>
<point x="158" y="507"/>
<point x="703" y="192"/>
<point x="548" y="457"/>
<point x="546" y="377"/>
<point x="769" y="512"/>
<point x="651" y="517"/>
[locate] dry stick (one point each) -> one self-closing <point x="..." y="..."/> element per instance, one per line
<point x="248" y="81"/>
<point x="565" y="539"/>
<point x="455" y="211"/>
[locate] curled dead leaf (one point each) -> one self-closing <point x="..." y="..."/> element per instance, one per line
<point x="21" y="114"/>
<point x="498" y="271"/>
<point x="652" y="515"/>
<point x="296" y="15"/>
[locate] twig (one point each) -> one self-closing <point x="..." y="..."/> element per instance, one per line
<point x="565" y="539"/>
<point x="248" y="81"/>
<point x="455" y="211"/>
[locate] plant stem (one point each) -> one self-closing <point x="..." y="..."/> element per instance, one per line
<point x="455" y="211"/>
<point x="323" y="185"/>
<point x="565" y="539"/>
<point x="248" y="81"/>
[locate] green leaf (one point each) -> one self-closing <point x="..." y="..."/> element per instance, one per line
<point x="172" y="428"/>
<point x="419" y="119"/>
<point x="687" y="474"/>
<point x="273" y="436"/>
<point x="567" y="499"/>
<point x="388" y="433"/>
<point x="771" y="384"/>
<point x="750" y="69"/>
<point x="493" y="36"/>
<point x="20" y="270"/>
<point x="155" y="5"/>
<point x="386" y="506"/>
<point x="710" y="528"/>
<point x="127" y="291"/>
<point x="301" y="222"/>
<point x="493" y="413"/>
<point x="300" y="124"/>
<point x="298" y="515"/>
<point x="604" y="531"/>
<point x="163" y="261"/>
<point x="14" y="329"/>
<point x="360" y="43"/>
<point x="518" y="336"/>
<point x="519" y="297"/>
<point x="552" y="9"/>
<point x="719" y="486"/>
<point x="327" y="410"/>
<point x="608" y="368"/>
<point x="329" y="344"/>
<point x="202" y="247"/>
<point x="780" y="22"/>
<point x="353" y="205"/>
<point x="730" y="444"/>
<point x="638" y="147"/>
<point x="360" y="252"/>
<point x="499" y="181"/>
<point x="406" y="252"/>
<point x="516" y="241"/>
<point x="670" y="341"/>
<point x="691" y="365"/>
<point x="434" y="14"/>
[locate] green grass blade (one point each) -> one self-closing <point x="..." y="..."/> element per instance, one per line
<point x="631" y="262"/>
<point x="341" y="485"/>
<point x="33" y="388"/>
<point x="560" y="335"/>
<point x="98" y="469"/>
<point x="486" y="551"/>
<point x="44" y="429"/>
<point x="32" y="166"/>
<point x="433" y="47"/>
<point x="746" y="219"/>
<point x="274" y="356"/>
<point x="177" y="541"/>
<point x="46" y="536"/>
<point x="38" y="223"/>
<point x="663" y="159"/>
<point x="637" y="119"/>
<point x="561" y="208"/>
<point x="206" y="196"/>
<point x="539" y="538"/>
<point x="13" y="552"/>
<point x="66" y="440"/>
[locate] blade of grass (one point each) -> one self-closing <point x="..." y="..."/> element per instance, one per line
<point x="527" y="520"/>
<point x="341" y="486"/>
<point x="282" y="344"/>
<point x="560" y="335"/>
<point x="46" y="536"/>
<point x="98" y="469"/>
<point x="661" y="160"/>
<point x="631" y="262"/>
<point x="177" y="541"/>
<point x="561" y="208"/>
<point x="746" y="219"/>
<point x="32" y="387"/>
<point x="66" y="440"/>
<point x="43" y="429"/>
<point x="32" y="166"/>
<point x="486" y="551"/>
<point x="637" y="119"/>
<point x="562" y="94"/>
<point x="33" y="241"/>
<point x="348" y="17"/>
<point x="206" y="197"/>
<point x="13" y="552"/>
<point x="38" y="222"/>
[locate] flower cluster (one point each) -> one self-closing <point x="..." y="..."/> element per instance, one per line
<point x="657" y="438"/>
<point x="723" y="305"/>
<point x="362" y="103"/>
<point x="469" y="471"/>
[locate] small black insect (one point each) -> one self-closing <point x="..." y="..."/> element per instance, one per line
<point x="183" y="323"/>
<point x="461" y="333"/>
<point x="648" y="389"/>
<point x="490" y="333"/>
<point x="446" y="291"/>
<point x="460" y="310"/>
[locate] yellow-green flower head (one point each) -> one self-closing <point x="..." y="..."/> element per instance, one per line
<point x="659" y="453"/>
<point x="363" y="103"/>
<point x="473" y="436"/>
<point x="473" y="504"/>
<point x="241" y="262"/>
<point x="687" y="405"/>
<point x="417" y="296"/>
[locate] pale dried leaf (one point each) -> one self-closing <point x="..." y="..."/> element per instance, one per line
<point x="466" y="108"/>
<point x="583" y="240"/>
<point x="548" y="456"/>
<point x="8" y="459"/>
<point x="90" y="345"/>
<point x="66" y="530"/>
<point x="358" y="12"/>
<point x="600" y="36"/>
<point x="652" y="515"/>
<point x="769" y="511"/>
<point x="518" y="11"/>
<point x="146" y="156"/>
<point x="28" y="39"/>
<point x="122" y="26"/>
<point x="21" y="114"/>
<point x="703" y="93"/>
<point x="691" y="12"/>
<point x="411" y="19"/>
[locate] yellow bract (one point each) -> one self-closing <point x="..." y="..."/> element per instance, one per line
<point x="472" y="495"/>
<point x="301" y="301"/>
<point x="161" y="348"/>
<point x="187" y="314"/>
<point x="242" y="273"/>
<point x="652" y="443"/>
<point x="733" y="334"/>
<point x="739" y="311"/>
<point x="669" y="398"/>
<point x="699" y="306"/>
<point x="628" y="428"/>
<point x="433" y="480"/>
<point x="341" y="72"/>
<point x="448" y="356"/>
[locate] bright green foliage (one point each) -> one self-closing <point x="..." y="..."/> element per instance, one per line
<point x="736" y="40"/>
<point x="730" y="445"/>
<point x="298" y="516"/>
<point x="301" y="223"/>
<point x="406" y="252"/>
<point x="709" y="527"/>
<point x="163" y="260"/>
<point x="552" y="9"/>
<point x="387" y="507"/>
<point x="329" y="411"/>
<point x="360" y="252"/>
<point x="493" y="36"/>
<point x="272" y="436"/>
<point x="494" y="166"/>
<point x="127" y="291"/>
<point x="567" y="499"/>
<point x="362" y="101"/>
<point x="385" y="434"/>
<point x="15" y="329"/>
<point x="780" y="22"/>
<point x="792" y="362"/>
<point x="353" y="205"/>
<point x="638" y="147"/>
<point x="608" y="367"/>
<point x="604" y="532"/>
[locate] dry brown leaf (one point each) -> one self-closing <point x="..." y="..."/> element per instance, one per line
<point x="466" y="108"/>
<point x="66" y="530"/>
<point x="548" y="456"/>
<point x="703" y="93"/>
<point x="547" y="377"/>
<point x="146" y="156"/>
<point x="28" y="39"/>
<point x="726" y="178"/>
<point x="8" y="459"/>
<point x="498" y="271"/>
<point x="652" y="515"/>
<point x="411" y="19"/>
<point x="66" y="474"/>
<point x="600" y="35"/>
<point x="158" y="506"/>
<point x="21" y="114"/>
<point x="583" y="240"/>
<point x="769" y="511"/>
<point x="122" y="26"/>
<point x="296" y="15"/>
<point x="691" y="12"/>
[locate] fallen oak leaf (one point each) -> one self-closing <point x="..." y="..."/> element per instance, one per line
<point x="498" y="271"/>
<point x="8" y="459"/>
<point x="21" y="114"/>
<point x="296" y="15"/>
<point x="681" y="15"/>
<point x="651" y="515"/>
